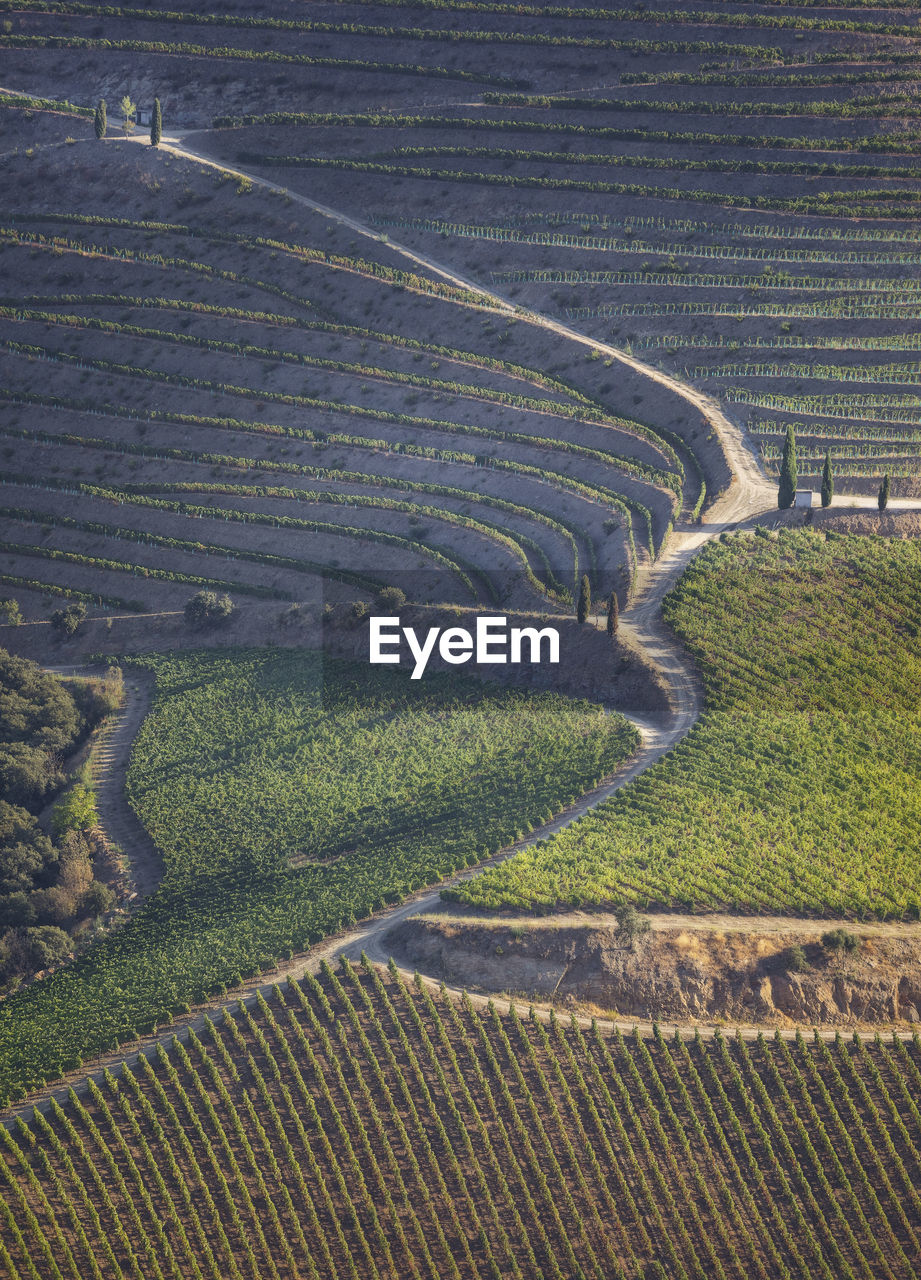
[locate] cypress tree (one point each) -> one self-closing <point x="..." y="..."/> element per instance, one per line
<point x="613" y="615"/>
<point x="786" y="488"/>
<point x="585" y="599"/>
<point x="99" y="120"/>
<point x="156" y="124"/>
<point x="883" y="499"/>
<point x="828" y="482"/>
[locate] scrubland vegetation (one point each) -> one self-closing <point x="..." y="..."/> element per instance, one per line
<point x="797" y="790"/>
<point x="49" y="868"/>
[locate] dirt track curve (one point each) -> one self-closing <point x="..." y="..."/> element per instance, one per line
<point x="108" y="766"/>
<point x="750" y="494"/>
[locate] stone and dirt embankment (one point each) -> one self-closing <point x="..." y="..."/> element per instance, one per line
<point x="737" y="970"/>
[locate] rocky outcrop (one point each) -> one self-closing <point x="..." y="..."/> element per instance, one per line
<point x="681" y="975"/>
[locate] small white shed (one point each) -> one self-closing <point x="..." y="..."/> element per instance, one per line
<point x="804" y="498"/>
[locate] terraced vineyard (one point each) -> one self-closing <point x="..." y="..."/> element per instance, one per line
<point x="797" y="790"/>
<point x="285" y="376"/>
<point x="768" y="262"/>
<point x="386" y="459"/>
<point x="567" y="157"/>
<point x="358" y="1126"/>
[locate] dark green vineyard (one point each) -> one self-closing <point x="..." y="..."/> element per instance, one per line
<point x="292" y="795"/>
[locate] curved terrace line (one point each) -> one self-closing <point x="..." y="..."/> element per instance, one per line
<point x="749" y="494"/>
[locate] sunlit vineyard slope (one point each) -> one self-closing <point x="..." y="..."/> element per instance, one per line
<point x="797" y="791"/>
<point x="358" y="1126"/>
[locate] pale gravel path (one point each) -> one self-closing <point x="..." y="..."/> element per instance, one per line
<point x="668" y="921"/>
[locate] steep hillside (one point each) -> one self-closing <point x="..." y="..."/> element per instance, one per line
<point x="211" y="363"/>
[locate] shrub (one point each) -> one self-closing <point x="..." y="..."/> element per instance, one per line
<point x="24" y="849"/>
<point x="16" y="909"/>
<point x="66" y="622"/>
<point x="797" y="961"/>
<point x="42" y="946"/>
<point x="53" y="906"/>
<point x="291" y="615"/>
<point x="631" y="926"/>
<point x="97" y="900"/>
<point x="840" y="940"/>
<point x="208" y="609"/>
<point x="28" y="774"/>
<point x="76" y="811"/>
<point x="390" y="598"/>
<point x="46" y="715"/>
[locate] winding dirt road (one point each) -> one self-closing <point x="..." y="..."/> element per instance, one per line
<point x="643" y="621"/>
<point x="750" y="491"/>
<point x="108" y="763"/>
<point x="749" y="495"/>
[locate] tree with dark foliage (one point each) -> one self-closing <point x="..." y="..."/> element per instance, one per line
<point x="786" y="487"/>
<point x="584" y="605"/>
<point x="208" y="609"/>
<point x="613" y="615"/>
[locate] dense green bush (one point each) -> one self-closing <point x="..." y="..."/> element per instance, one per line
<point x="76" y="811"/>
<point x="840" y="940"/>
<point x="45" y="882"/>
<point x="35" y="708"/>
<point x="66" y="622"/>
<point x="25" y="851"/>
<point x="208" y="609"/>
<point x="34" y="948"/>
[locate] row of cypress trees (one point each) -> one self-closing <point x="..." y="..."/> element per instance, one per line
<point x="101" y="124"/>
<point x="786" y="494"/>
<point x="786" y="486"/>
